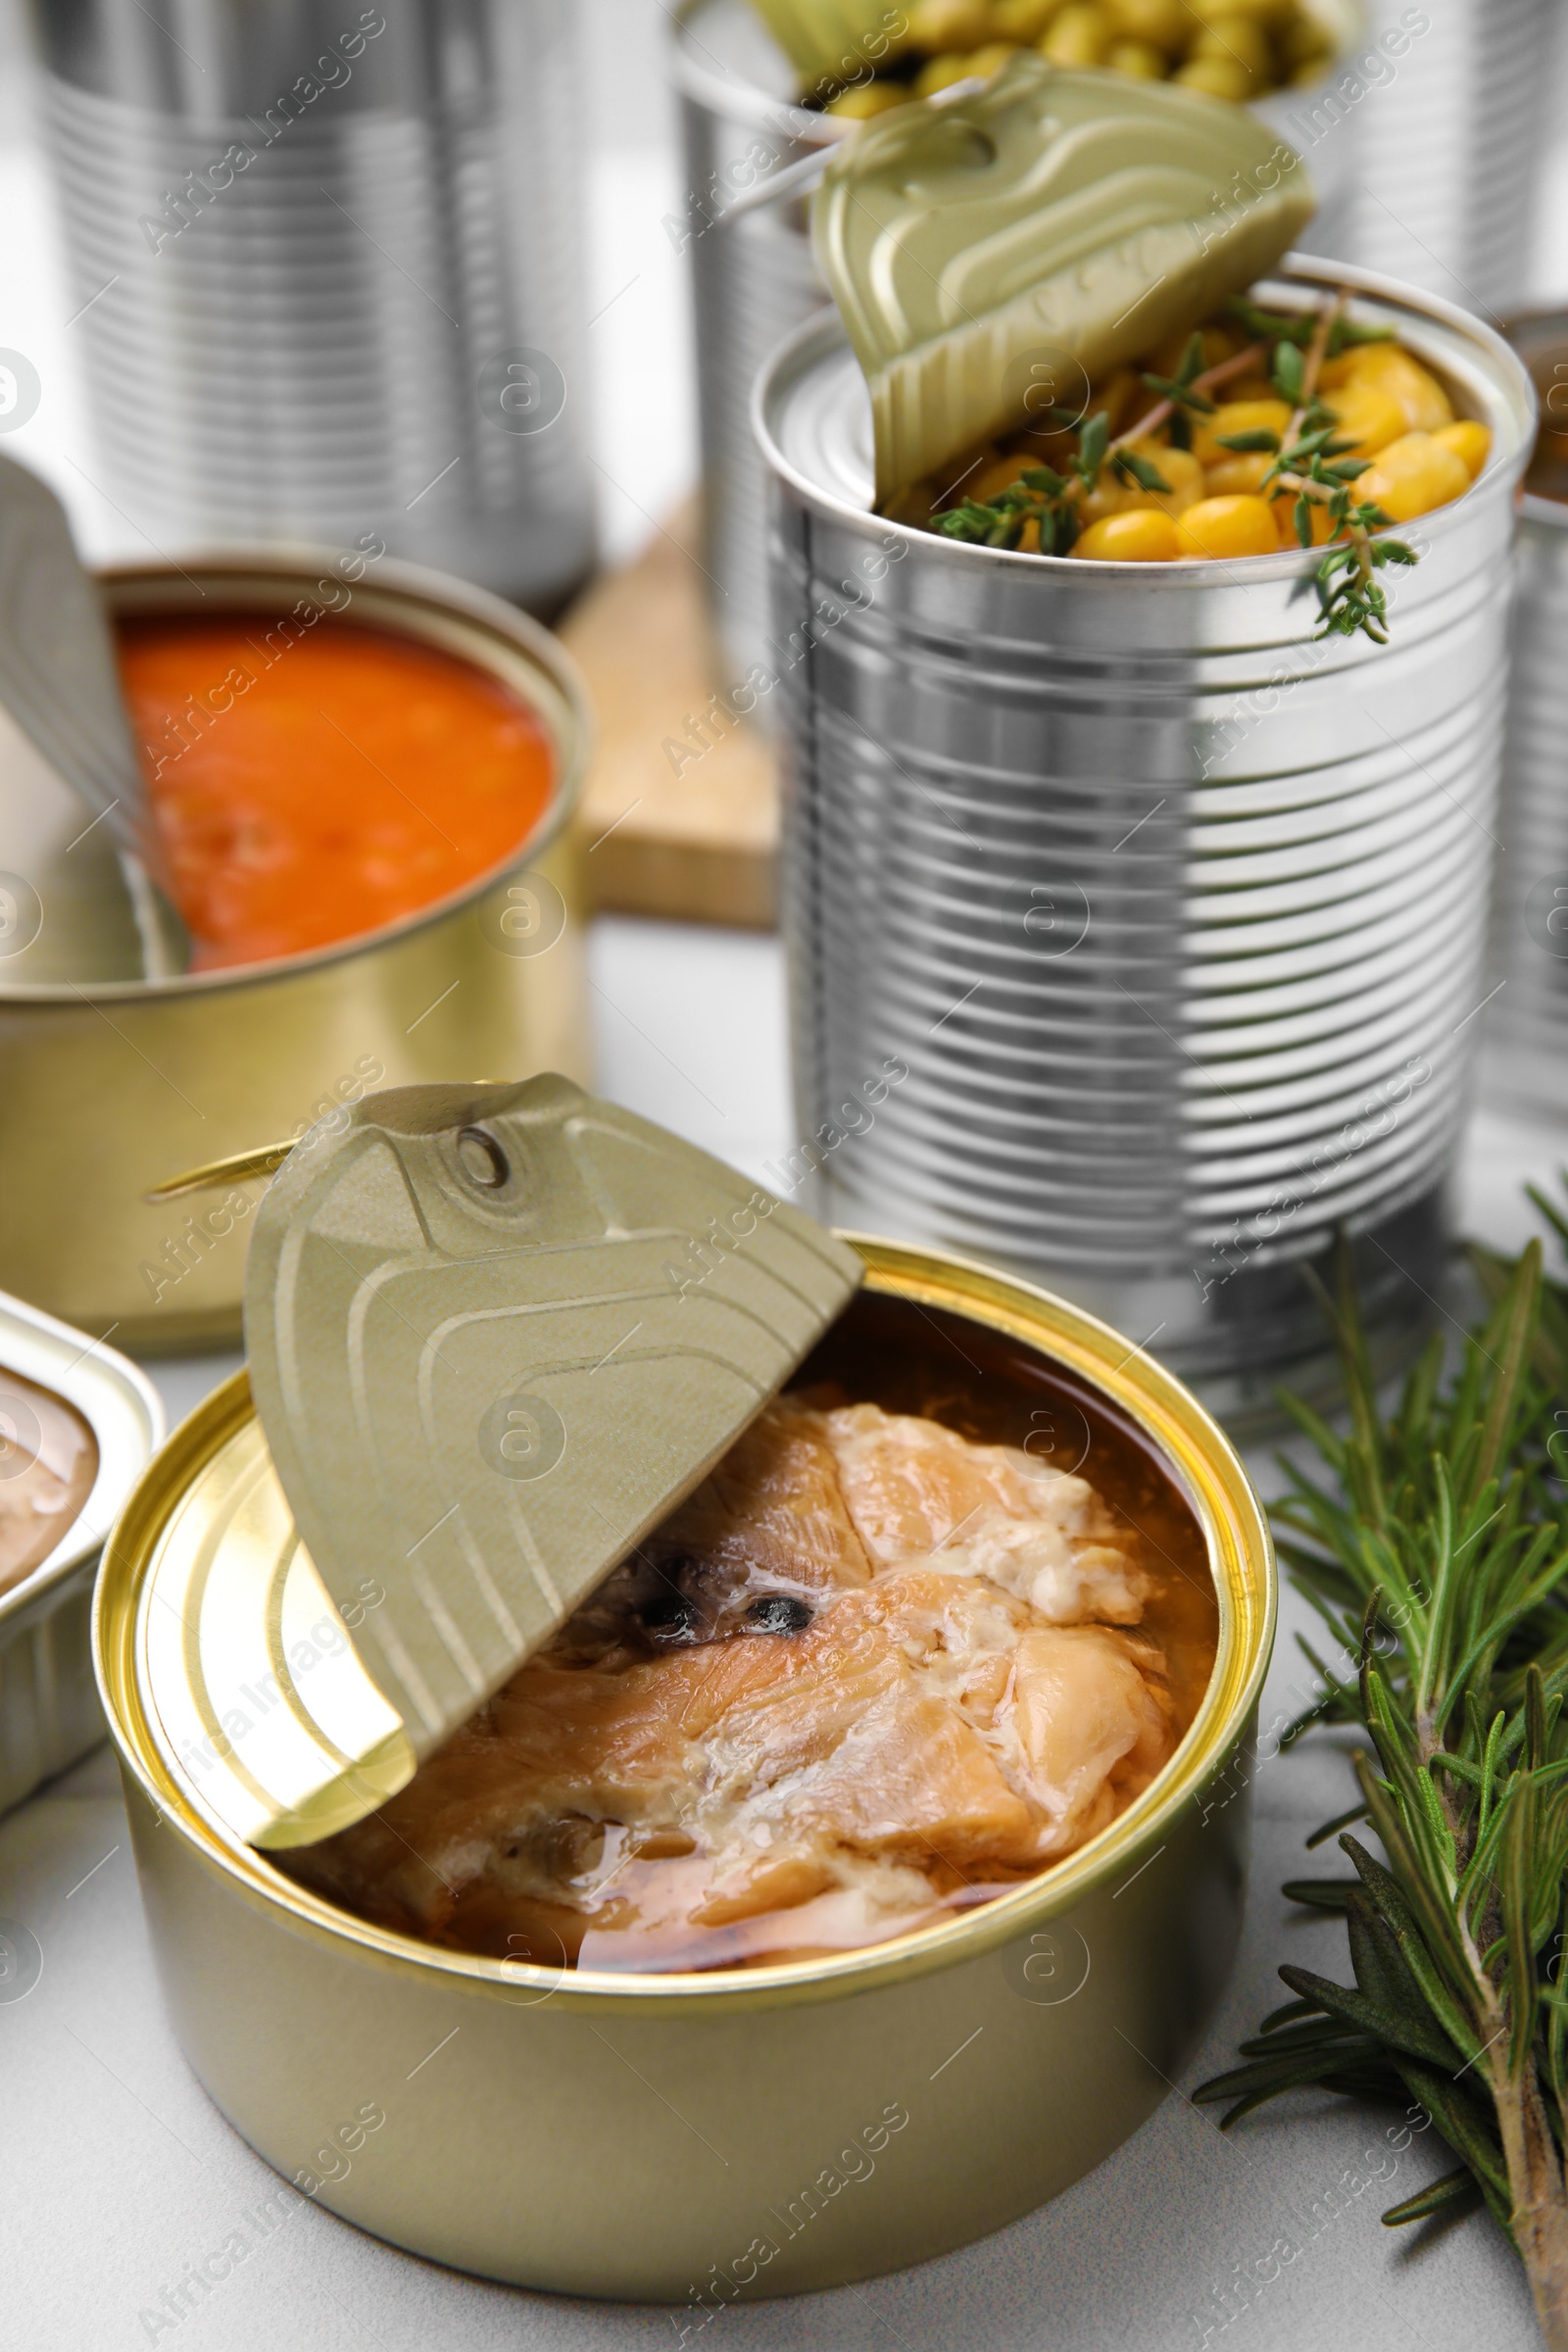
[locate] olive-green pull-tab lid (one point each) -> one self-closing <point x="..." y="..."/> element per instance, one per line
<point x="495" y="1333"/>
<point x="1075" y="218"/>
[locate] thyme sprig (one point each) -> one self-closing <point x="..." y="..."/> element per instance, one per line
<point x="1050" y="499"/>
<point x="1307" y="459"/>
<point x="1437" y="1553"/>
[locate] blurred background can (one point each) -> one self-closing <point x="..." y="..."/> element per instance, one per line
<point x="1526" y="1065"/>
<point x="1171" y="913"/>
<point x="1447" y="112"/>
<point x="752" y="276"/>
<point x="327" y="259"/>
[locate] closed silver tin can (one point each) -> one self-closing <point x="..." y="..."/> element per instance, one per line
<point x="49" y="1707"/>
<point x="1526" y="1063"/>
<point x="327" y="269"/>
<point x="754" y="280"/>
<point x="1445" y="112"/>
<point x="1173" y="913"/>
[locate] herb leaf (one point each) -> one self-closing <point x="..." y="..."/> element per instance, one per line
<point x="1434" y="1544"/>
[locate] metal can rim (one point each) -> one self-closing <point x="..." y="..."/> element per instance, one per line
<point x="824" y="331"/>
<point x="94" y="1380"/>
<point x="1190" y="1444"/>
<point x="749" y="100"/>
<point x="759" y="110"/>
<point x="1551" y="514"/>
<point x="396" y="583"/>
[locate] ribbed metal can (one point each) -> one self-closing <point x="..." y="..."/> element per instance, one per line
<point x="754" y="280"/>
<point x="326" y="267"/>
<point x="1172" y="912"/>
<point x="1447" y="112"/>
<point x="1526" y="1063"/>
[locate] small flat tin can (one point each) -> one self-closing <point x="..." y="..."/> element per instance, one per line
<point x="49" y="1709"/>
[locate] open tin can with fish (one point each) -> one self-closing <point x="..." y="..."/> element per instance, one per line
<point x="477" y="962"/>
<point x="754" y="279"/>
<point x="699" y="2122"/>
<point x="78" y="1426"/>
<point x="1526" y="1063"/>
<point x="1173" y="905"/>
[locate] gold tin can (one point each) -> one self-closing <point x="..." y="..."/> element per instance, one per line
<point x="111" y="1089"/>
<point x="692" y="2139"/>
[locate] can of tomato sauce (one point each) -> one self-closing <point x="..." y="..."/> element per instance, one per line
<point x="695" y="2134"/>
<point x="364" y="774"/>
<point x="1173" y="906"/>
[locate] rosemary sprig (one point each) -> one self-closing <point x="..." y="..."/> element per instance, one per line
<point x="1307" y="460"/>
<point x="1437" y="1552"/>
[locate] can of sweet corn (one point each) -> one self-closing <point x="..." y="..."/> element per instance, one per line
<point x="1173" y="906"/>
<point x="1526" y="1066"/>
<point x="754" y="280"/>
<point x="693" y="2138"/>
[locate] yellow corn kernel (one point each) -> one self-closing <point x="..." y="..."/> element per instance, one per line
<point x="995" y="475"/>
<point x="1217" y="77"/>
<point x="985" y="62"/>
<point x="940" y="73"/>
<point x="1163" y="23"/>
<point x="1236" y="474"/>
<point x="1029" y="538"/>
<point x="1080" y="37"/>
<point x="866" y="99"/>
<point x="1264" y="12"/>
<point x="1241" y="38"/>
<point x="1249" y="388"/>
<point x="1141" y="535"/>
<point x="1139" y="57"/>
<point x="1271" y="415"/>
<point x="943" y="24"/>
<point x="1122" y="398"/>
<point x="1020" y="20"/>
<point x="1179" y="467"/>
<point x="1417" y="390"/>
<point x="1367" y="417"/>
<point x="1056" y="449"/>
<point x="1470" y="442"/>
<point x="1222" y="528"/>
<point x="1412" y="477"/>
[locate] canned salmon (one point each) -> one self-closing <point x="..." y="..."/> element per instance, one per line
<point x="701" y="2133"/>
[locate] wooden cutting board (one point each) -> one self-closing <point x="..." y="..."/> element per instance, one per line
<point x="680" y="813"/>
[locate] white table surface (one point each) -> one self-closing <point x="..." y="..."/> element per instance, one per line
<point x="116" y="2172"/>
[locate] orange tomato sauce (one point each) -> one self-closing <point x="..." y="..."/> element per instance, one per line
<point x="310" y="786"/>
